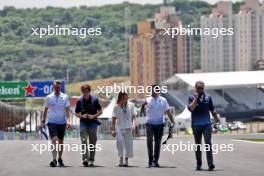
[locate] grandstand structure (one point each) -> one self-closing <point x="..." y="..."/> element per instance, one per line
<point x="236" y="95"/>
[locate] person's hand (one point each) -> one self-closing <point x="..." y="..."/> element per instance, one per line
<point x="217" y="119"/>
<point x="68" y="125"/>
<point x="114" y="133"/>
<point x="133" y="127"/>
<point x="43" y="123"/>
<point x="89" y="116"/>
<point x="84" y="116"/>
<point x="195" y="96"/>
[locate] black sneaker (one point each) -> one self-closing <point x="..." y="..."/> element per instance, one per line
<point x="199" y="168"/>
<point x="53" y="163"/>
<point x="150" y="164"/>
<point x="211" y="167"/>
<point x="120" y="164"/>
<point x="85" y="163"/>
<point x="156" y="164"/>
<point x="60" y="161"/>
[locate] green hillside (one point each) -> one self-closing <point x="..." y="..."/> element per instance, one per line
<point x="74" y="88"/>
<point x="23" y="56"/>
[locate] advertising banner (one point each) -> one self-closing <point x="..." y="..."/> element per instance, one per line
<point x="27" y="89"/>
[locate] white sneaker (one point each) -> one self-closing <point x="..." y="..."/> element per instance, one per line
<point x="125" y="164"/>
<point x="91" y="163"/>
<point x="120" y="164"/>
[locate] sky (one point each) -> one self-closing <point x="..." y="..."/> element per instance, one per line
<point x="72" y="3"/>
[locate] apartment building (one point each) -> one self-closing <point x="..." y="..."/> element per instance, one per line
<point x="155" y="57"/>
<point x="217" y="53"/>
<point x="241" y="51"/>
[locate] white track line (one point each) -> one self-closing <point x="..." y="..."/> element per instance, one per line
<point x="247" y="141"/>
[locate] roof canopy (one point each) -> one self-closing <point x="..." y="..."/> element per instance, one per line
<point x="108" y="111"/>
<point x="220" y="79"/>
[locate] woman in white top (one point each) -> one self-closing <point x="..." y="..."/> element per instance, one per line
<point x="124" y="120"/>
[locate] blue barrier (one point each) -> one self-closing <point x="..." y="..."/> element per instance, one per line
<point x="2" y="137"/>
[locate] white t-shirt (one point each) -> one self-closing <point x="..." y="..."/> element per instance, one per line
<point x="155" y="109"/>
<point x="124" y="116"/>
<point x="56" y="107"/>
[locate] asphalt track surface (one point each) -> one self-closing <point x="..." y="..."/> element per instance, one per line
<point x="17" y="159"/>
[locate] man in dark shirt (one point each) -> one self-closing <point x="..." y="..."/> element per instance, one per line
<point x="88" y="109"/>
<point x="201" y="104"/>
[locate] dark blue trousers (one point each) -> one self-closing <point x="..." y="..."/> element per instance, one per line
<point x="198" y="132"/>
<point x="155" y="131"/>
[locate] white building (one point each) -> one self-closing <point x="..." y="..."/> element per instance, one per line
<point x="241" y="51"/>
<point x="217" y="53"/>
<point x="249" y="39"/>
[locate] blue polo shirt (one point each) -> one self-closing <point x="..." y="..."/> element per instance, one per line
<point x="201" y="113"/>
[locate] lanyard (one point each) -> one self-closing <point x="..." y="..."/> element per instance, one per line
<point x="124" y="108"/>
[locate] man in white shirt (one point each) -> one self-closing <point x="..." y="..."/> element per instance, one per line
<point x="57" y="110"/>
<point x="155" y="107"/>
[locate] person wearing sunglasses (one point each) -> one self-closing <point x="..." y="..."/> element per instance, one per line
<point x="201" y="104"/>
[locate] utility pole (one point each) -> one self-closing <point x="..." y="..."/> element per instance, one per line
<point x="127" y="33"/>
<point x="165" y="3"/>
<point x="79" y="74"/>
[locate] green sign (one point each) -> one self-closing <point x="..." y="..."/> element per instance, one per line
<point x="12" y="89"/>
<point x="27" y="89"/>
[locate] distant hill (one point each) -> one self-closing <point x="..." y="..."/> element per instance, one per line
<point x="24" y="57"/>
<point x="74" y="88"/>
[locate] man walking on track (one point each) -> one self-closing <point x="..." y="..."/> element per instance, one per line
<point x="88" y="109"/>
<point x="201" y="104"/>
<point x="155" y="107"/>
<point x="57" y="110"/>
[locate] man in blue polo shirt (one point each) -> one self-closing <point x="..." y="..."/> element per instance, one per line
<point x="88" y="109"/>
<point x="201" y="104"/>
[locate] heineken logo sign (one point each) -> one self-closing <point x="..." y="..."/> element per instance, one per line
<point x="9" y="91"/>
<point x="26" y="89"/>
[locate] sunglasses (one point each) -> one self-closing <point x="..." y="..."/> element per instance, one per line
<point x="200" y="88"/>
